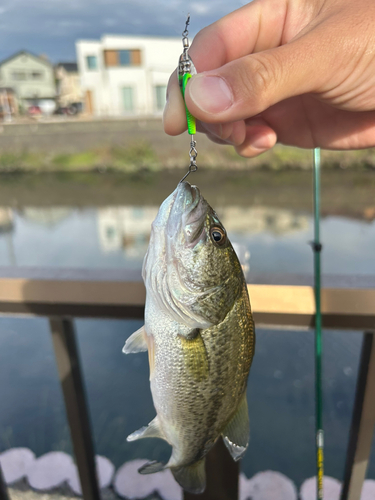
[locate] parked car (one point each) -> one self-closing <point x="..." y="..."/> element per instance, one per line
<point x="71" y="110"/>
<point x="34" y="110"/>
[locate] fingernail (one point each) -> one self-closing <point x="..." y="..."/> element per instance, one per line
<point x="261" y="142"/>
<point x="210" y="93"/>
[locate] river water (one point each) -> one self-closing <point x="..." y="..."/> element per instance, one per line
<point x="268" y="238"/>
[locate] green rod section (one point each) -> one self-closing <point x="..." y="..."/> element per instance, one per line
<point x="317" y="247"/>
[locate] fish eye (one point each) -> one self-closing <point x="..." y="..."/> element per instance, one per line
<point x="218" y="235"/>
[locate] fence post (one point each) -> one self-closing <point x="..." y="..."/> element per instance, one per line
<point x="69" y="369"/>
<point x="363" y="423"/>
<point x="3" y="489"/>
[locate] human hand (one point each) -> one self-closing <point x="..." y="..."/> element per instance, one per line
<point x="298" y="72"/>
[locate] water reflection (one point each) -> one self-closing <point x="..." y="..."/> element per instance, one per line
<point x="262" y="219"/>
<point x="6" y="220"/>
<point x="125" y="228"/>
<point x="48" y="217"/>
<point x="112" y="237"/>
<point x="128" y="228"/>
<point x="6" y="230"/>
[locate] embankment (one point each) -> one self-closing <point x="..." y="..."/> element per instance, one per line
<point x="127" y="145"/>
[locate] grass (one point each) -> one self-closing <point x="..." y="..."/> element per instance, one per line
<point x="137" y="155"/>
<point x="141" y="156"/>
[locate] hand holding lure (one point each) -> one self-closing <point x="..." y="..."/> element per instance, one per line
<point x="186" y="70"/>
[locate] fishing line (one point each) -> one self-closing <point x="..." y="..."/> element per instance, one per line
<point x="317" y="248"/>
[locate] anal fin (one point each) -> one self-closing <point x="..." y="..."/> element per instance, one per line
<point x="236" y="433"/>
<point x="152" y="430"/>
<point x="192" y="478"/>
<point x="151" y="467"/>
<point x="137" y="342"/>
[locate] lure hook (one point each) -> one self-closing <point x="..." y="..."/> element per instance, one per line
<point x="193" y="153"/>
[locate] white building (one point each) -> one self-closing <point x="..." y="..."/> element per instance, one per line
<point x="126" y="75"/>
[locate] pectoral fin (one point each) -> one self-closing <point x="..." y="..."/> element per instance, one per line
<point x="137" y="342"/>
<point x="192" y="477"/>
<point x="152" y="430"/>
<point x="195" y="356"/>
<point x="236" y="433"/>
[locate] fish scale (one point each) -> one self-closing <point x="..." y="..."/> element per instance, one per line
<point x="200" y="336"/>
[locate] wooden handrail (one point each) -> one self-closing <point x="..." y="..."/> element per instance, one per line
<point x="273" y="305"/>
<point x="123" y="296"/>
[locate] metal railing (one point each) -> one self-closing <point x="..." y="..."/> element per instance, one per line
<point x="117" y="294"/>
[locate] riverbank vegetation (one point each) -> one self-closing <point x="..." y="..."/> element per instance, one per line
<point x="142" y="155"/>
<point x="344" y="192"/>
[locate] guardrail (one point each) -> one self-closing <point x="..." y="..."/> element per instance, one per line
<point x="288" y="303"/>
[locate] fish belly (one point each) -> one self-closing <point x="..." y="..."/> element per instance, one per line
<point x="197" y="384"/>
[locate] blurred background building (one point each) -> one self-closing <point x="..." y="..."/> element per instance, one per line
<point x="28" y="80"/>
<point x="68" y="87"/>
<point x="126" y="75"/>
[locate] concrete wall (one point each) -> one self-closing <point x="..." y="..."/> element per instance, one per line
<point x="76" y="136"/>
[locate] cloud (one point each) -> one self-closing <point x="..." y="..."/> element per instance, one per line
<point x="53" y="26"/>
<point x="200" y="8"/>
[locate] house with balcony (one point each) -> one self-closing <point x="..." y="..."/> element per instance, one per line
<point x="126" y="75"/>
<point x="30" y="79"/>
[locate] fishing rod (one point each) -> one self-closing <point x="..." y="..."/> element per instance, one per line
<point x="317" y="248"/>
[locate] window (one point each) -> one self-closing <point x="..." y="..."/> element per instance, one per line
<point x="124" y="58"/>
<point x="127" y="99"/>
<point x="92" y="62"/>
<point x="113" y="58"/>
<point x="37" y="75"/>
<point x="136" y="57"/>
<point x="160" y="93"/>
<point x="18" y="75"/>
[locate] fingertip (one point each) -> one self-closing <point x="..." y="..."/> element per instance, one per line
<point x="174" y="117"/>
<point x="230" y="133"/>
<point x="259" y="139"/>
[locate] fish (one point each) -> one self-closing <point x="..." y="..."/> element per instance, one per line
<point x="199" y="334"/>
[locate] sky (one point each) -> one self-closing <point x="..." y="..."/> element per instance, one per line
<point x="51" y="27"/>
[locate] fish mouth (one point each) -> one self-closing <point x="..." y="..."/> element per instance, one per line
<point x="188" y="211"/>
<point x="191" y="195"/>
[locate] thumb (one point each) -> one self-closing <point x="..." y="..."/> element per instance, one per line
<point x="249" y="85"/>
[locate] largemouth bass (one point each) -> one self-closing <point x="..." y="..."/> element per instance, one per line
<point x="199" y="334"/>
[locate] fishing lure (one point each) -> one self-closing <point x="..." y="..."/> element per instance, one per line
<point x="186" y="70"/>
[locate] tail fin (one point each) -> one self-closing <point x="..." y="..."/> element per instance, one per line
<point x="192" y="478"/>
